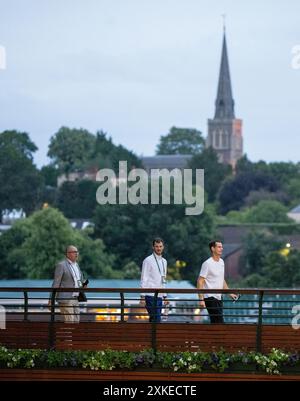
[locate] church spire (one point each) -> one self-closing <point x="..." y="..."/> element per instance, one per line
<point x="224" y="102"/>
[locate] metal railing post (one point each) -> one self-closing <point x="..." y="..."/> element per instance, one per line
<point x="52" y="321"/>
<point x="122" y="306"/>
<point x="154" y="323"/>
<point x="259" y="323"/>
<point x="26" y="306"/>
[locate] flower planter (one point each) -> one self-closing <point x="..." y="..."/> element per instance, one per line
<point x="84" y="374"/>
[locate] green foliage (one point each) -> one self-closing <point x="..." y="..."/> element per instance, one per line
<point x="107" y="154"/>
<point x="257" y="245"/>
<point x="69" y="148"/>
<point x="128" y="231"/>
<point x="50" y="233"/>
<point x="181" y="362"/>
<point x="50" y="174"/>
<point x="214" y="172"/>
<point x="234" y="217"/>
<point x="282" y="172"/>
<point x="278" y="268"/>
<point x="20" y="181"/>
<point x="77" y="199"/>
<point x="273" y="181"/>
<point x="19" y="141"/>
<point x="284" y="270"/>
<point x="73" y="150"/>
<point x="293" y="189"/>
<point x="11" y="255"/>
<point x="33" y="247"/>
<point x="235" y="190"/>
<point x="131" y="271"/>
<point x="183" y="141"/>
<point x="268" y="212"/>
<point x="256" y="197"/>
<point x="94" y="259"/>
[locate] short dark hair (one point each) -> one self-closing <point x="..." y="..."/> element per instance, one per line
<point x="212" y="244"/>
<point x="157" y="240"/>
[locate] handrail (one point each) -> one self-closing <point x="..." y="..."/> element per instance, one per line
<point x="262" y="305"/>
<point x="267" y="291"/>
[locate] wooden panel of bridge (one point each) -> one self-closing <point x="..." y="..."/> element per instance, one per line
<point x="138" y="336"/>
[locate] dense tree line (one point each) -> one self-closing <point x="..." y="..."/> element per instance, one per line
<point x="254" y="193"/>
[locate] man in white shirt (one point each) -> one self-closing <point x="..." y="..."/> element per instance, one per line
<point x="154" y="275"/>
<point x="211" y="277"/>
<point x="68" y="275"/>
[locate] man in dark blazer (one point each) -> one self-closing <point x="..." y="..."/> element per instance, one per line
<point x="68" y="275"/>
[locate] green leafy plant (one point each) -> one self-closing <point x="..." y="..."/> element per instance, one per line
<point x="184" y="362"/>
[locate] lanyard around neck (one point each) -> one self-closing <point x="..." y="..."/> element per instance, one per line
<point x="77" y="278"/>
<point x="162" y="262"/>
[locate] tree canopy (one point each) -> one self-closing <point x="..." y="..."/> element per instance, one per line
<point x="69" y="148"/>
<point x="33" y="246"/>
<point x="214" y="172"/>
<point x="128" y="231"/>
<point x="235" y="190"/>
<point x="20" y="180"/>
<point x="184" y="141"/>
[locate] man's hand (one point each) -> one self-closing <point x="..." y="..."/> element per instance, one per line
<point x="142" y="302"/>
<point x="49" y="304"/>
<point x="202" y="304"/>
<point x="234" y="297"/>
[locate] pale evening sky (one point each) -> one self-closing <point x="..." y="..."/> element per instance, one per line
<point x="134" y="68"/>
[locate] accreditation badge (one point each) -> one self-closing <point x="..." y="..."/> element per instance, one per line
<point x="163" y="279"/>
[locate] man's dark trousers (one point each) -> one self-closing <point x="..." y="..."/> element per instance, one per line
<point x="214" y="307"/>
<point x="154" y="313"/>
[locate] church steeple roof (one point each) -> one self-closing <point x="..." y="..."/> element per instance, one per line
<point x="224" y="101"/>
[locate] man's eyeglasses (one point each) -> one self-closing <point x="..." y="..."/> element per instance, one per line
<point x="73" y="252"/>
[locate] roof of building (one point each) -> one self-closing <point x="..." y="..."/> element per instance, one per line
<point x="166" y="161"/>
<point x="229" y="249"/>
<point x="4" y="227"/>
<point x="295" y="210"/>
<point x="81" y="224"/>
<point x="233" y="234"/>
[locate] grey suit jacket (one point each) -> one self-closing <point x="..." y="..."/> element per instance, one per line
<point x="63" y="278"/>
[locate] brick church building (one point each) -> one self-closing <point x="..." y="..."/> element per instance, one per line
<point x="225" y="130"/>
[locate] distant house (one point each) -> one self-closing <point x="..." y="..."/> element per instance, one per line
<point x="9" y="217"/>
<point x="168" y="162"/>
<point x="231" y="256"/>
<point x="89" y="174"/>
<point x="232" y="237"/>
<point x="81" y="224"/>
<point x="4" y="227"/>
<point x="294" y="214"/>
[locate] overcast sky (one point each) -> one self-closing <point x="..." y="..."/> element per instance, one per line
<point x="134" y="68"/>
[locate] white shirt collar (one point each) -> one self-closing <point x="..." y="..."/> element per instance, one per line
<point x="158" y="257"/>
